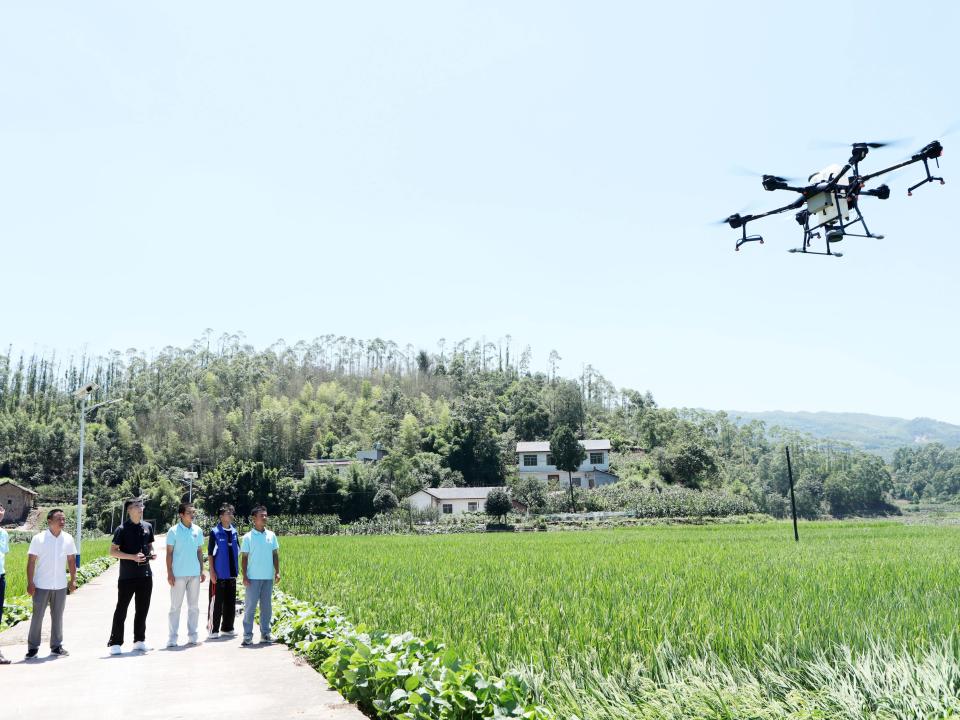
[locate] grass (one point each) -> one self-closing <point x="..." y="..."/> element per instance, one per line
<point x="16" y="563"/>
<point x="603" y="614"/>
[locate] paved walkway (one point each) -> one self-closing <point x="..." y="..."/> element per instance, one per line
<point x="207" y="680"/>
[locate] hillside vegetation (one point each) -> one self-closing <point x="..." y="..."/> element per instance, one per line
<point x="874" y="433"/>
<point x="247" y="418"/>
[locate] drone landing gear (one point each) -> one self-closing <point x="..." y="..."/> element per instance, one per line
<point x="748" y="238"/>
<point x="929" y="178"/>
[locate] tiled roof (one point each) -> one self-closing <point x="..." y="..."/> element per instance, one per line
<point x="461" y="493"/>
<point x="21" y="487"/>
<point x="544" y="445"/>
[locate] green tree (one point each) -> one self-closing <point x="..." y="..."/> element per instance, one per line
<point x="498" y="503"/>
<point x="568" y="455"/>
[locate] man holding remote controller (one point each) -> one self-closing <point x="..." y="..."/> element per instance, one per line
<point x="133" y="545"/>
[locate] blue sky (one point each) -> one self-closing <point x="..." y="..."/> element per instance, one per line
<point x="448" y="169"/>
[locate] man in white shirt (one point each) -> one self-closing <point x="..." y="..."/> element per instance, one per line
<point x="51" y="552"/>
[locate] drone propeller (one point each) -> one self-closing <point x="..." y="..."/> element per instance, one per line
<point x="871" y="144"/>
<point x="738" y="218"/>
<point x="747" y="172"/>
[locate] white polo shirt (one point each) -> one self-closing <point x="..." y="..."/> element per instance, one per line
<point x="51" y="552"/>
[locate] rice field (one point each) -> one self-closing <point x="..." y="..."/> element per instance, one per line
<point x="597" y="613"/>
<point x="16" y="563"/>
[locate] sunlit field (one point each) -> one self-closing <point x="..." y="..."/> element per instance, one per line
<point x="645" y="602"/>
<point x="17" y="562"/>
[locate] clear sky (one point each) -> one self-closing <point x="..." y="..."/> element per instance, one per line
<point x="450" y="169"/>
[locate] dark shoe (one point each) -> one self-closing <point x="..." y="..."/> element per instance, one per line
<point x="4" y="661"/>
<point x="59" y="650"/>
<point x="31" y="654"/>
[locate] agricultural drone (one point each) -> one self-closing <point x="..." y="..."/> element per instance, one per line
<point x="829" y="204"/>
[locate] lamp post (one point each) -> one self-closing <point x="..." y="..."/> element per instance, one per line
<point x="189" y="477"/>
<point x="83" y="394"/>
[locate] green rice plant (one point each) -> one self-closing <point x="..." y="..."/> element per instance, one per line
<point x="16" y="562"/>
<point x="594" y="609"/>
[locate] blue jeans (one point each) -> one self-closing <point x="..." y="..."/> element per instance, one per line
<point x="259" y="591"/>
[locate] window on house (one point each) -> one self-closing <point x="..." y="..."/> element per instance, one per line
<point x="529" y="460"/>
<point x="576" y="482"/>
<point x="472" y="507"/>
<point x="550" y="459"/>
<point x="448" y="508"/>
<point x="590" y="483"/>
<point x="596" y="458"/>
<point x="553" y="478"/>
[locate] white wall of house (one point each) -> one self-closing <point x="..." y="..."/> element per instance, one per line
<point x="421" y="500"/>
<point x="595" y="460"/>
<point x="588" y="479"/>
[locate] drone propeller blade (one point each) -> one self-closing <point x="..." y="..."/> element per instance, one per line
<point x="747" y="172"/>
<point x="739" y="217"/>
<point x="873" y="144"/>
<point x="951" y="128"/>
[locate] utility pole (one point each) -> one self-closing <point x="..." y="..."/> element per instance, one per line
<point x="793" y="500"/>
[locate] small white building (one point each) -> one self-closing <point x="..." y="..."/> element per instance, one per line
<point x="455" y="500"/>
<point x="534" y="460"/>
<point x="341" y="465"/>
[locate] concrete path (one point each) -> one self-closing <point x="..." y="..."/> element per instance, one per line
<point x="206" y="680"/>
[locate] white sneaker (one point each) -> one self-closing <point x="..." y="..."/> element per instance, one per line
<point x="115" y="650"/>
<point x="228" y="633"/>
<point x="213" y="636"/>
<point x="140" y="646"/>
<point x="266" y="639"/>
<point x="172" y="643"/>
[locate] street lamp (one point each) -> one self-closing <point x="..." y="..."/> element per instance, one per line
<point x="189" y="477"/>
<point x="83" y="394"/>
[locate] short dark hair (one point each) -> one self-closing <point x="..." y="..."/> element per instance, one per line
<point x="257" y="509"/>
<point x="54" y="512"/>
<point x="132" y="501"/>
<point x="226" y="508"/>
<point x="184" y="507"/>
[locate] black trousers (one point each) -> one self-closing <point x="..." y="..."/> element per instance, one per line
<point x="223" y="596"/>
<point x="3" y="591"/>
<point x="141" y="589"/>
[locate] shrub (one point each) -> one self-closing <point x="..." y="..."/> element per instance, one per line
<point x="498" y="503"/>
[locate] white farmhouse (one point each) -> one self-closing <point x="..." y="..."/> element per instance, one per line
<point x="455" y="500"/>
<point x="534" y="460"/>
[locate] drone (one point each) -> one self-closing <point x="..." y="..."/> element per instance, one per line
<point x="829" y="204"/>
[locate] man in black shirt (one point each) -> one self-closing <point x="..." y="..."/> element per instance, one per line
<point x="133" y="545"/>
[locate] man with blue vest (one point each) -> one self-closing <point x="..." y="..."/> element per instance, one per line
<point x="260" y="561"/>
<point x="184" y="573"/>
<point x="223" y="556"/>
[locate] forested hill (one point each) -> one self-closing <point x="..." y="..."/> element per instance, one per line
<point x="246" y="418"/>
<point x="873" y="433"/>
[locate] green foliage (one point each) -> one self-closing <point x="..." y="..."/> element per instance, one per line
<point x="928" y="472"/>
<point x="397" y="675"/>
<point x="619" y="623"/>
<point x="246" y="420"/>
<point x="17" y="608"/>
<point x="568" y="455"/>
<point x="498" y="503"/>
<point x="528" y="491"/>
<point x="385" y="501"/>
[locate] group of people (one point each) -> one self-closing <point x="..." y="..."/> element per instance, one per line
<point x="253" y="558"/>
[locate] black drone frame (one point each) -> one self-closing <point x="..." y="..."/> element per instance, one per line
<point x="835" y="229"/>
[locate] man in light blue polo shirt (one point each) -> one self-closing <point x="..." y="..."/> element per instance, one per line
<point x="260" y="562"/>
<point x="184" y="573"/>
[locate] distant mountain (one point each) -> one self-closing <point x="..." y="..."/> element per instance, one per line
<point x="874" y="433"/>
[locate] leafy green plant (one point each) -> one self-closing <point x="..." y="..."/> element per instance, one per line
<point x="398" y="675"/>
